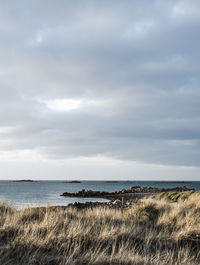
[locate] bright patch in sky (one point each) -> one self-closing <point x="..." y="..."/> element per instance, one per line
<point x="66" y="104"/>
<point x="4" y="130"/>
<point x="61" y="105"/>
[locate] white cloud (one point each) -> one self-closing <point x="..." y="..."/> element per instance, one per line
<point x="6" y="130"/>
<point x="187" y="8"/>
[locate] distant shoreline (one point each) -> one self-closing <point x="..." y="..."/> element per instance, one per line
<point x="25" y="180"/>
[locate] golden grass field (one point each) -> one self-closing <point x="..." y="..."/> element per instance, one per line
<point x="153" y="232"/>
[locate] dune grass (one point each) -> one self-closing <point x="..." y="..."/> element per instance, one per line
<point x="150" y="233"/>
<point x="175" y="196"/>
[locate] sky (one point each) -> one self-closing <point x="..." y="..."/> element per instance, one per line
<point x="96" y="90"/>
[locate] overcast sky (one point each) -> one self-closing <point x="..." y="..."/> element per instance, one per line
<point x="100" y="89"/>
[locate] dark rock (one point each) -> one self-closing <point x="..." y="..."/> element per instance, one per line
<point x="73" y="181"/>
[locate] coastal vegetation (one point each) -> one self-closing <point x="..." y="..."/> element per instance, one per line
<point x="151" y="232"/>
<point x="172" y="196"/>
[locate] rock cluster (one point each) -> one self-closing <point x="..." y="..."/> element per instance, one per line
<point x="117" y="204"/>
<point x="86" y="194"/>
<point x="118" y="199"/>
<point x="116" y="194"/>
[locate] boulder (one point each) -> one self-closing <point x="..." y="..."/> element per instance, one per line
<point x="118" y="203"/>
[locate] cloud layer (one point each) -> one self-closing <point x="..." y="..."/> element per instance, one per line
<point x="118" y="79"/>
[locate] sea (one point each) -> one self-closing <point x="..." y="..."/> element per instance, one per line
<point x="43" y="193"/>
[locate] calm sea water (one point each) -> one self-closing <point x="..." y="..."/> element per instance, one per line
<point x="23" y="194"/>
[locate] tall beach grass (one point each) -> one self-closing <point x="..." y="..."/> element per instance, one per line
<point x="153" y="232"/>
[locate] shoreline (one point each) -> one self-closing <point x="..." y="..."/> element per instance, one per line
<point x="134" y="192"/>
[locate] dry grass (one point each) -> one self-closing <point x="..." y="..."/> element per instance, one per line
<point x="176" y="196"/>
<point x="151" y="233"/>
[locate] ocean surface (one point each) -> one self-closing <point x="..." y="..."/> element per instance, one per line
<point x="25" y="194"/>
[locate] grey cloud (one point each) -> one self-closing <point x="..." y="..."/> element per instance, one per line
<point x="138" y="56"/>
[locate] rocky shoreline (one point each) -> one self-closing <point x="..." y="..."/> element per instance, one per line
<point x="117" y="204"/>
<point x="121" y="198"/>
